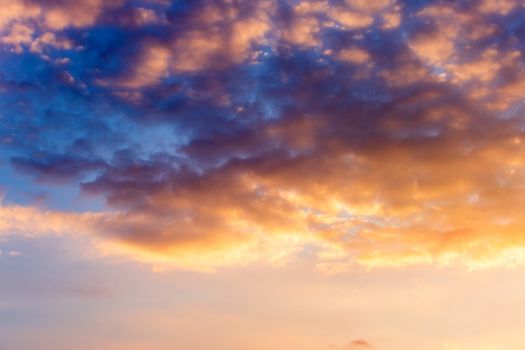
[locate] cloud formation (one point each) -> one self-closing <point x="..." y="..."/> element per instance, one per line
<point x="380" y="133"/>
<point x="357" y="344"/>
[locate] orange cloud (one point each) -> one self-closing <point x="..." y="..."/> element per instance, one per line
<point x="312" y="16"/>
<point x="20" y="20"/>
<point x="438" y="182"/>
<point x="222" y="35"/>
<point x="451" y="196"/>
<point x="358" y="344"/>
<point x="151" y="67"/>
<point x="18" y="34"/>
<point x="425" y="176"/>
<point x="354" y="55"/>
<point x="14" y="10"/>
<point x="78" y="14"/>
<point x="49" y="40"/>
<point x="108" y="233"/>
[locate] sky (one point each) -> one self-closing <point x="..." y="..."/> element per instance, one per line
<point x="262" y="174"/>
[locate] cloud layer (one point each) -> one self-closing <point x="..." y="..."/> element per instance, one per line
<point x="379" y="133"/>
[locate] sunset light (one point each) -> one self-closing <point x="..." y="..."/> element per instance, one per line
<point x="262" y="175"/>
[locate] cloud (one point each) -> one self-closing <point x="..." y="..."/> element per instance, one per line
<point x="364" y="133"/>
<point x="18" y="34"/>
<point x="78" y="14"/>
<point x="357" y="344"/>
<point x="152" y="67"/>
<point x="49" y="40"/>
<point x="354" y="55"/>
<point x="17" y="10"/>
<point x="206" y="45"/>
<point x="107" y="231"/>
<point x="56" y="167"/>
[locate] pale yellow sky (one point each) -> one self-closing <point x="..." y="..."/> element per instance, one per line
<point x="76" y="301"/>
